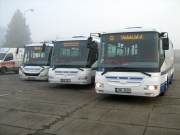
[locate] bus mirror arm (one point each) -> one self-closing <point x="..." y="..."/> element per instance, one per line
<point x="17" y="51"/>
<point x="89" y="42"/>
<point x="43" y="47"/>
<point x="165" y="40"/>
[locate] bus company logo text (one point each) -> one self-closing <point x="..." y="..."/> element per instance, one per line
<point x="131" y="37"/>
<point x="71" y="44"/>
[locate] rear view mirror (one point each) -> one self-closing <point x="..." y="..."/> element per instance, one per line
<point x="165" y="42"/>
<point x="89" y="42"/>
<point x="17" y="51"/>
<point x="43" y="47"/>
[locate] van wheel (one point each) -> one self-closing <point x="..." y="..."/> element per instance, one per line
<point x="3" y="71"/>
<point x="17" y="72"/>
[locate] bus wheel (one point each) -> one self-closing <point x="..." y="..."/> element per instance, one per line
<point x="162" y="94"/>
<point x="3" y="71"/>
<point x="170" y="80"/>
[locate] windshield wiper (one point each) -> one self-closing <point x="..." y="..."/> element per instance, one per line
<point x="126" y="69"/>
<point x="59" y="66"/>
<point x="110" y="70"/>
<point x="80" y="69"/>
<point x="54" y="68"/>
<point x="65" y="66"/>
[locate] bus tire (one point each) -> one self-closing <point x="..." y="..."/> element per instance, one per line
<point x="162" y="94"/>
<point x="170" y="81"/>
<point x="3" y="70"/>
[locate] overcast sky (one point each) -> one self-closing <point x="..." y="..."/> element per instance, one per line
<point x="67" y="18"/>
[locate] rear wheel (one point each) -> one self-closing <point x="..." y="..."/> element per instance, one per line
<point x="3" y="70"/>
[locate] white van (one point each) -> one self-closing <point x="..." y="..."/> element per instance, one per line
<point x="10" y="59"/>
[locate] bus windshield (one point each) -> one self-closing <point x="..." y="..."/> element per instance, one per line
<point x="71" y="54"/>
<point x="2" y="55"/>
<point x="34" y="56"/>
<point x="130" y="50"/>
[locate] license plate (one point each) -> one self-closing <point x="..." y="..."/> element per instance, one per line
<point x="65" y="80"/>
<point x="31" y="78"/>
<point x="122" y="90"/>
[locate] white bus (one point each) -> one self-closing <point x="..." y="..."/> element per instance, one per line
<point x="135" y="61"/>
<point x="36" y="61"/>
<point x="73" y="62"/>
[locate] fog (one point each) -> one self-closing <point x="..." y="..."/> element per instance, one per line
<point x="67" y="18"/>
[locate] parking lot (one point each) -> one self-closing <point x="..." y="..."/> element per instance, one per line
<point x="40" y="108"/>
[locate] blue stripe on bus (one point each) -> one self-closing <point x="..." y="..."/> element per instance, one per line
<point x="73" y="71"/>
<point x="163" y="87"/>
<point x="58" y="71"/>
<point x="125" y="78"/>
<point x="136" y="78"/>
<point x="111" y="77"/>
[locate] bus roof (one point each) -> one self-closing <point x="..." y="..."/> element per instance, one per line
<point x="133" y="29"/>
<point x="75" y="38"/>
<point x="40" y="44"/>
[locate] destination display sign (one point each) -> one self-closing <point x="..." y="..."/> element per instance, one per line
<point x="132" y="37"/>
<point x="36" y="48"/>
<point x="70" y="43"/>
<point x="129" y="36"/>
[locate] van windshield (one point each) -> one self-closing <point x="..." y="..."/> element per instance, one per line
<point x="2" y="55"/>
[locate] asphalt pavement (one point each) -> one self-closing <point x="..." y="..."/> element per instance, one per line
<point x="40" y="108"/>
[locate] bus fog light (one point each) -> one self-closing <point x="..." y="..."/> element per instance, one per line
<point x="99" y="85"/>
<point x="99" y="91"/>
<point x="149" y="94"/>
<point x="150" y="87"/>
<point x="82" y="78"/>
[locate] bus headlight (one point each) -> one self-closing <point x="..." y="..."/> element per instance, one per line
<point x="99" y="85"/>
<point x="150" y="87"/>
<point x="82" y="78"/>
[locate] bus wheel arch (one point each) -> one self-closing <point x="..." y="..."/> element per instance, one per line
<point x="165" y="87"/>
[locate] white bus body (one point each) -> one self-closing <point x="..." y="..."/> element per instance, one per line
<point x="134" y="61"/>
<point x="36" y="61"/>
<point x="73" y="62"/>
<point x="10" y="59"/>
